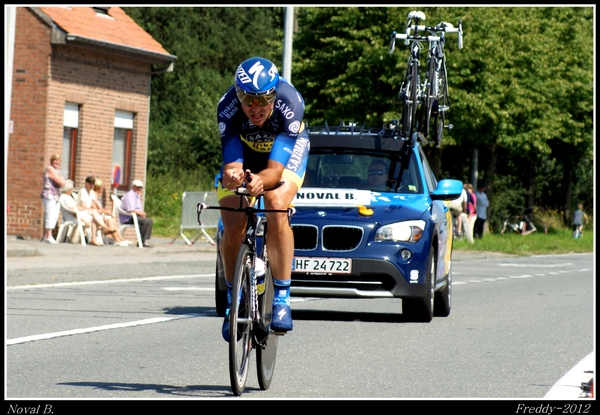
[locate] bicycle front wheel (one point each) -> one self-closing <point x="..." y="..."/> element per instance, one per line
<point x="240" y="322"/>
<point x="266" y="351"/>
<point x="429" y="97"/>
<point x="409" y="98"/>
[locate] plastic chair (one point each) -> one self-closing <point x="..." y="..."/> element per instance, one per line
<point x="122" y="226"/>
<point x="71" y="221"/>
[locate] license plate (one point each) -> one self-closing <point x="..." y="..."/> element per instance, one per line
<point x="322" y="265"/>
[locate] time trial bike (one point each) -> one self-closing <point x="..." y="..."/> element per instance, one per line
<point x="251" y="312"/>
<point x="423" y="101"/>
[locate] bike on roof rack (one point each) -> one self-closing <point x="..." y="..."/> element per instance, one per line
<point x="423" y="101"/>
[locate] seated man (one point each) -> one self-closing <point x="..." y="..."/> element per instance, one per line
<point x="130" y="202"/>
<point x="378" y="174"/>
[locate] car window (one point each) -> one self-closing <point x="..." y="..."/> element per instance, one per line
<point x="430" y="178"/>
<point x="355" y="170"/>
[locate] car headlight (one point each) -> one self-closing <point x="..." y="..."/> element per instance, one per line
<point x="409" y="231"/>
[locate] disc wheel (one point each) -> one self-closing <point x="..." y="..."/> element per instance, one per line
<point x="266" y="350"/>
<point x="240" y="323"/>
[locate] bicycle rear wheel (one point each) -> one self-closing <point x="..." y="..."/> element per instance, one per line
<point x="240" y="322"/>
<point x="409" y="99"/>
<point x="440" y="107"/>
<point x="429" y="97"/>
<point x="266" y="351"/>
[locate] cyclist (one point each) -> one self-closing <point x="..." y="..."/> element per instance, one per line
<point x="262" y="132"/>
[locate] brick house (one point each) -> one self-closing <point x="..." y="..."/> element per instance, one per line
<point x="81" y="88"/>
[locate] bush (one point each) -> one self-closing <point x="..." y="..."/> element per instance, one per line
<point x="164" y="193"/>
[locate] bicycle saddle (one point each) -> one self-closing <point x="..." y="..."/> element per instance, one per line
<point x="416" y="15"/>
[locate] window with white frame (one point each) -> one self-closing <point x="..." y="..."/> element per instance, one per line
<point x="122" y="148"/>
<point x="69" y="148"/>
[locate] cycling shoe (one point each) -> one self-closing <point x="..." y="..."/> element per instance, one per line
<point x="282" y="318"/>
<point x="225" y="328"/>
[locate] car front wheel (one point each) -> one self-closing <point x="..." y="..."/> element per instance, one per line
<point x="443" y="299"/>
<point x="421" y="309"/>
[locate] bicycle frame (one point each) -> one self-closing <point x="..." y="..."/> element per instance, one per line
<point x="524" y="225"/>
<point x="249" y="328"/>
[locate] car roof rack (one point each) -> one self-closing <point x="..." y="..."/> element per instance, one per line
<point x="352" y="135"/>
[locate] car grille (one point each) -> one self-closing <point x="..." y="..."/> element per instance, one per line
<point x="305" y="237"/>
<point x="333" y="238"/>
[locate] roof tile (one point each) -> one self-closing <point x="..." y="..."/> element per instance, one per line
<point x="118" y="28"/>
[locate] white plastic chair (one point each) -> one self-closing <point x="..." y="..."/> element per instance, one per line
<point x="70" y="221"/>
<point x="122" y="226"/>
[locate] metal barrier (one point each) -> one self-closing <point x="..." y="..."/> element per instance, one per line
<point x="189" y="215"/>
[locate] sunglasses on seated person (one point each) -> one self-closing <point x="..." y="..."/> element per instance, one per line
<point x="376" y="172"/>
<point x="249" y="99"/>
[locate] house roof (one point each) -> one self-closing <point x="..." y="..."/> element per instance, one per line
<point x="111" y="29"/>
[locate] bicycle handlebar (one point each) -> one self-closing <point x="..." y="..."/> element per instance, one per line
<point x="242" y="190"/>
<point x="432" y="30"/>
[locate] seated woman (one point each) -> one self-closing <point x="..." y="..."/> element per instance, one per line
<point x="71" y="204"/>
<point x="84" y="203"/>
<point x="112" y="228"/>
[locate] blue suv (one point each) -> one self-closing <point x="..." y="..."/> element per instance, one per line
<point x="371" y="221"/>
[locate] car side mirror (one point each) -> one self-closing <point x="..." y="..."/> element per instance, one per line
<point x="447" y="189"/>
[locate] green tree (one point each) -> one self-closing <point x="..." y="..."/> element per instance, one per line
<point x="521" y="90"/>
<point x="209" y="43"/>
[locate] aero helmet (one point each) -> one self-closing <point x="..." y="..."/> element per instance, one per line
<point x="256" y="79"/>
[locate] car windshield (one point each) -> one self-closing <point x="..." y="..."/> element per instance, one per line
<point x="362" y="171"/>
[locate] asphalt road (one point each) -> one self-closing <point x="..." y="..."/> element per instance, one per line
<point x="518" y="328"/>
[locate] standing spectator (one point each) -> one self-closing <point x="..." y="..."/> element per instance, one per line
<point x="85" y="203"/>
<point x="482" y="205"/>
<point x="578" y="217"/>
<point x="53" y="182"/>
<point x="131" y="203"/>
<point x="471" y="211"/>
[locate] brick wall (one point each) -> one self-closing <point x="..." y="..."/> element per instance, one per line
<point x="46" y="76"/>
<point x="27" y="153"/>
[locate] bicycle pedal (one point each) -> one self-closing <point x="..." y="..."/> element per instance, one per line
<point x="280" y="333"/>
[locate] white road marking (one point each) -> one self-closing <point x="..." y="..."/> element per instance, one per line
<point x="66" y="284"/>
<point x="535" y="265"/>
<point x="47" y="336"/>
<point x="569" y="385"/>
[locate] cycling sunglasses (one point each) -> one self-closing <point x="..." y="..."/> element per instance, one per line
<point x="376" y="172"/>
<point x="249" y="100"/>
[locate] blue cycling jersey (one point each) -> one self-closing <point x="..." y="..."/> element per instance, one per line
<point x="282" y="138"/>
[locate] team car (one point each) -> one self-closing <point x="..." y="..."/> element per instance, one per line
<point x="371" y="221"/>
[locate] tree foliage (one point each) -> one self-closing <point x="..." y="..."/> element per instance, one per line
<point x="209" y="43"/>
<point x="521" y="90"/>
